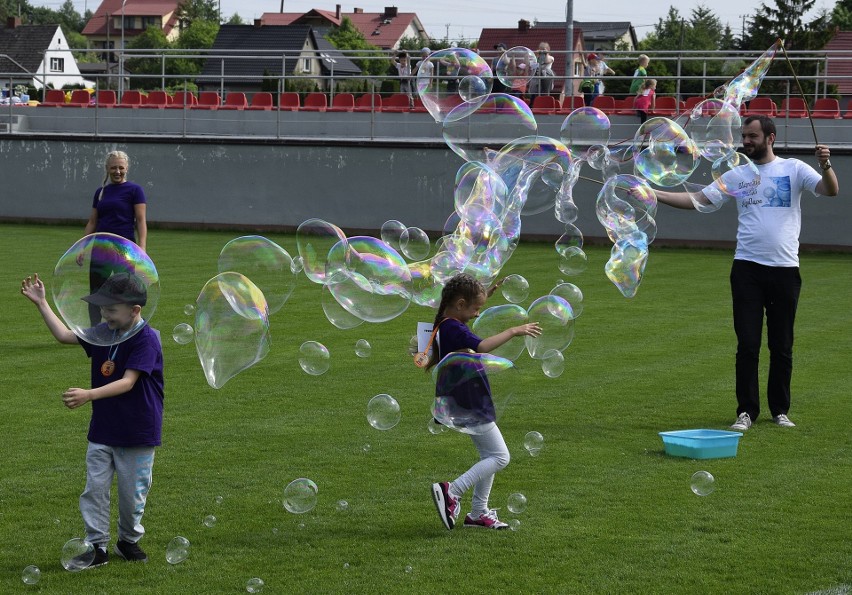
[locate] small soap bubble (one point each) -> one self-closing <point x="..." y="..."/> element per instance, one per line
<point x="409" y="570"/>
<point x="314" y="358"/>
<point x="514" y="524"/>
<point x="218" y="499"/>
<point x="301" y="526"/>
<point x="345" y="565"/>
<point x="209" y="521"/>
<point x="517" y="503"/>
<point x="189" y="310"/>
<point x="435" y="427"/>
<point x="300" y="496"/>
<point x="342" y="506"/>
<point x="56" y="522"/>
<point x="515" y="289"/>
<point x="254" y="585"/>
<point x="178" y="550"/>
<point x="275" y="530"/>
<point x="31" y="575"/>
<point x="363" y="348"/>
<point x="703" y="483"/>
<point x="183" y="334"/>
<point x="412" y="345"/>
<point x="533" y="442"/>
<point x="383" y="412"/>
<point x="366" y="448"/>
<point x="77" y="554"/>
<point x="553" y="364"/>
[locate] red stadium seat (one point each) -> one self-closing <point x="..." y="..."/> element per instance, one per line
<point x="235" y="101"/>
<point x="315" y="102"/>
<point x="369" y="102"/>
<point x="794" y="107"/>
<point x="826" y="108"/>
<point x="208" y="100"/>
<point x="289" y="102"/>
<point x="261" y="101"/>
<point x="342" y="102"/>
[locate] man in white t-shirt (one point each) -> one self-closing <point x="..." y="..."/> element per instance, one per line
<point x="765" y="272"/>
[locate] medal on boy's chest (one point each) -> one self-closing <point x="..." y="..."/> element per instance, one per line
<point x="107" y="368"/>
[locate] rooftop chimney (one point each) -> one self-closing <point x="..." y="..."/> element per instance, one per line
<point x="391" y="12"/>
<point x="13" y="22"/>
<point x="523" y="25"/>
<point x="258" y="23"/>
<point x="337" y="12"/>
<point x="358" y="10"/>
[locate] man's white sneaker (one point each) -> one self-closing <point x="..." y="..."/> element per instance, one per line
<point x="783" y="421"/>
<point x="743" y="422"/>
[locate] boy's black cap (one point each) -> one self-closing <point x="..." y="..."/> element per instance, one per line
<point x="120" y="288"/>
<point x="500" y="46"/>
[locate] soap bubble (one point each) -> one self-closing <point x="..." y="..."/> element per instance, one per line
<point x="515" y="289"/>
<point x="209" y="521"/>
<point x="314" y="239"/>
<point x="218" y="499"/>
<point x="627" y="261"/>
<point x="363" y="348"/>
<point x="516" y="68"/>
<point x="300" y="496"/>
<point x="178" y="550"/>
<point x="297" y="266"/>
<point x="189" y="310"/>
<point x="366" y="448"/>
<point x="183" y="334"/>
<point x="101" y="256"/>
<point x="77" y="554"/>
<point x="342" y="506"/>
<point x="533" y="442"/>
<point x="334" y="312"/>
<point x="345" y="565"/>
<point x="663" y="152"/>
<point x="714" y="125"/>
<point x="553" y="364"/>
<point x="383" y="412"/>
<point x="497" y="319"/>
<point x="736" y="175"/>
<point x="31" y="575"/>
<point x="585" y="130"/>
<point x="500" y="115"/>
<point x="573" y="261"/>
<point x="409" y="569"/>
<point x="434" y="427"/>
<point x="414" y="243"/>
<point x="514" y="524"/>
<point x="438" y="77"/>
<point x="412" y="345"/>
<point x="626" y="204"/>
<point x="231" y="327"/>
<point x="268" y="265"/>
<point x="517" y="503"/>
<point x="461" y="380"/>
<point x="571" y="294"/>
<point x="702" y="483"/>
<point x="556" y="319"/>
<point x="254" y="585"/>
<point x="314" y="358"/>
<point x="391" y="232"/>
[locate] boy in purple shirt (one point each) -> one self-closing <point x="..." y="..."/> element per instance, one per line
<point x="127" y="411"/>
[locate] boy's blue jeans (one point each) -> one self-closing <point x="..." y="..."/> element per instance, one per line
<point x="132" y="467"/>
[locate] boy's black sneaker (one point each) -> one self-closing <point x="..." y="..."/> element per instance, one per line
<point x="100" y="558"/>
<point x="130" y="552"/>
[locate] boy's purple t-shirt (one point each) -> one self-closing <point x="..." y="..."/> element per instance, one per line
<point x="469" y="387"/>
<point x="134" y="418"/>
<point x="116" y="212"/>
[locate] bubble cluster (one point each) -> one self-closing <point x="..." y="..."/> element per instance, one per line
<point x="177" y="550"/>
<point x="86" y="270"/>
<point x="533" y="442"/>
<point x="300" y="496"/>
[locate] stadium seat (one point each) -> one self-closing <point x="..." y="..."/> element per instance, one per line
<point x="105" y="98"/>
<point x="398" y="102"/>
<point x="544" y="104"/>
<point x="315" y="102"/>
<point x="342" y="102"/>
<point x="53" y="98"/>
<point x="289" y="102"/>
<point x="131" y="99"/>
<point x="826" y="108"/>
<point x="368" y="102"/>
<point x="605" y="103"/>
<point x="570" y="103"/>
<point x="261" y="101"/>
<point x="794" y="107"/>
<point x="79" y="98"/>
<point x="761" y="106"/>
<point x="208" y="100"/>
<point x="665" y="106"/>
<point x="156" y="100"/>
<point x="235" y="101"/>
<point x="418" y="105"/>
<point x="183" y="100"/>
<point x="624" y="107"/>
<point x="691" y="102"/>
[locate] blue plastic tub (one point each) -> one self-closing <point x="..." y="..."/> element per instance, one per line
<point x="701" y="444"/>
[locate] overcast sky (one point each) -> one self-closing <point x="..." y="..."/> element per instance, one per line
<point x="466" y="18"/>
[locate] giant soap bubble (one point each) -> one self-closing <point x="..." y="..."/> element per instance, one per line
<point x="584" y="131"/>
<point x="516" y="67"/>
<point x="664" y="154"/>
<point x="231" y="327"/>
<point x="627" y="262"/>
<point x="314" y="239"/>
<point x="268" y="265"/>
<point x="85" y="269"/>
<point x="497" y="319"/>
<point x="440" y="77"/>
<point x="556" y="319"/>
<point x="503" y="116"/>
<point x="471" y="390"/>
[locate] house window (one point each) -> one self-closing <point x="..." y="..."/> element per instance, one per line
<point x="151" y="22"/>
<point x="306" y="65"/>
<point x="57" y="65"/>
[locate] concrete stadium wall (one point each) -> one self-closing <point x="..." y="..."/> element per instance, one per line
<point x="358" y="186"/>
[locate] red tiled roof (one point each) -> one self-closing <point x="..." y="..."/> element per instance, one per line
<point x="530" y="38"/>
<point x="371" y="24"/>
<point x="839" y="61"/>
<point x="97" y="25"/>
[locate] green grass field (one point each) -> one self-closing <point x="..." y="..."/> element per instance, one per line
<point x="608" y="511"/>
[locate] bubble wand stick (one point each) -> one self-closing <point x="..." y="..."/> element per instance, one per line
<point x="799" y="85"/>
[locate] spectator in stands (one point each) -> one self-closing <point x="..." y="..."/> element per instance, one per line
<point x="542" y="84"/>
<point x="645" y="100"/>
<point x="592" y="85"/>
<point x="450" y="65"/>
<point x="403" y="69"/>
<point x="498" y="86"/>
<point x="638" y="82"/>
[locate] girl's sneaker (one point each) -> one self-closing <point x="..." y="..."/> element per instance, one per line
<point x="487" y="520"/>
<point x="448" y="505"/>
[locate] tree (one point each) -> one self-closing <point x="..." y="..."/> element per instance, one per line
<point x="153" y="40"/>
<point x="200" y="35"/>
<point x="368" y="57"/>
<point x="190" y="11"/>
<point x="236" y="19"/>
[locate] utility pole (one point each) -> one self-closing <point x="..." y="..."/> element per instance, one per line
<point x="448" y="31"/>
<point x="569" y="46"/>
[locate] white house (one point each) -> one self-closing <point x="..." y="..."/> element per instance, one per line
<point x="37" y="55"/>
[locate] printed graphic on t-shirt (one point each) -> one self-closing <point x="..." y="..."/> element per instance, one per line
<point x="778" y="192"/>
